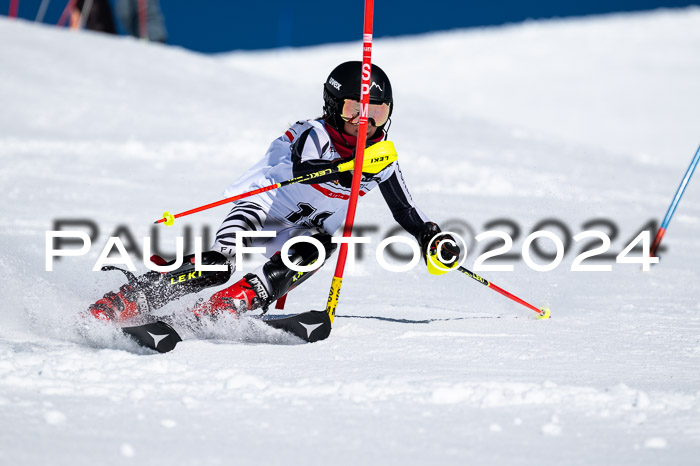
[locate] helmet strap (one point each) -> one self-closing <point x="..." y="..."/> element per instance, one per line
<point x="386" y="127"/>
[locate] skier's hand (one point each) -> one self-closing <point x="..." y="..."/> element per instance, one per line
<point x="441" y="252"/>
<point x="376" y="158"/>
<point x="344" y="178"/>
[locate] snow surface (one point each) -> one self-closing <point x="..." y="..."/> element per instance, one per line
<point x="574" y="120"/>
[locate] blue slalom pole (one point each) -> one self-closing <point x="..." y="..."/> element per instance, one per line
<point x="674" y="204"/>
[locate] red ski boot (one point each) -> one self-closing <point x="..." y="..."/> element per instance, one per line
<point x="153" y="290"/>
<point x="125" y="304"/>
<point x="245" y="295"/>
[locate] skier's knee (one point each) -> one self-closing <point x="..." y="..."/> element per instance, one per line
<point x="186" y="279"/>
<point x="281" y="278"/>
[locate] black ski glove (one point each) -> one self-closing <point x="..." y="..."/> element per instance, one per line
<point x="441" y="253"/>
<point x="344" y="178"/>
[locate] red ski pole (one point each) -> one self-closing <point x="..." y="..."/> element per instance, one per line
<point x="169" y="218"/>
<point x="383" y="153"/>
<point x="543" y="312"/>
<point x="334" y="293"/>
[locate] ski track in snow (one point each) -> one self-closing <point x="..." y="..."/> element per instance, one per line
<point x="574" y="119"/>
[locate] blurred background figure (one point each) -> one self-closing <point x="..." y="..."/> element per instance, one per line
<point x="95" y="15"/>
<point x="142" y="18"/>
<point x="220" y="26"/>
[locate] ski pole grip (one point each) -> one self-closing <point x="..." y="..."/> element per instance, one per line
<point x="377" y="158"/>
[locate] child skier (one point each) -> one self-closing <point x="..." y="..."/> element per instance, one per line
<point x="315" y="208"/>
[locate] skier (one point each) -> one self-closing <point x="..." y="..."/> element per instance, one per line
<point x="316" y="208"/>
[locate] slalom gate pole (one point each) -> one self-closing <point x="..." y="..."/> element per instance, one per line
<point x="674" y="204"/>
<point x="383" y="154"/>
<point x="334" y="292"/>
<point x="543" y="312"/>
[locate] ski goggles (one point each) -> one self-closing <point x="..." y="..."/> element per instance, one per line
<point x="378" y="113"/>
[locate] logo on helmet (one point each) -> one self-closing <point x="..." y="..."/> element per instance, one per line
<point x="334" y="83"/>
<point x="378" y="87"/>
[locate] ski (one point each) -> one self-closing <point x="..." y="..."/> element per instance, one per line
<point x="310" y="326"/>
<point x="157" y="336"/>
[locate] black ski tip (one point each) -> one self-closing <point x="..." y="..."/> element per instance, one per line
<point x="157" y="336"/>
<point x="310" y="326"/>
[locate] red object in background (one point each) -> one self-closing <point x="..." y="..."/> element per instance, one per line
<point x="66" y="13"/>
<point x="143" y="19"/>
<point x="14" y="6"/>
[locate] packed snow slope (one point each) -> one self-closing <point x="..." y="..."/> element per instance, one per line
<point x="590" y="123"/>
